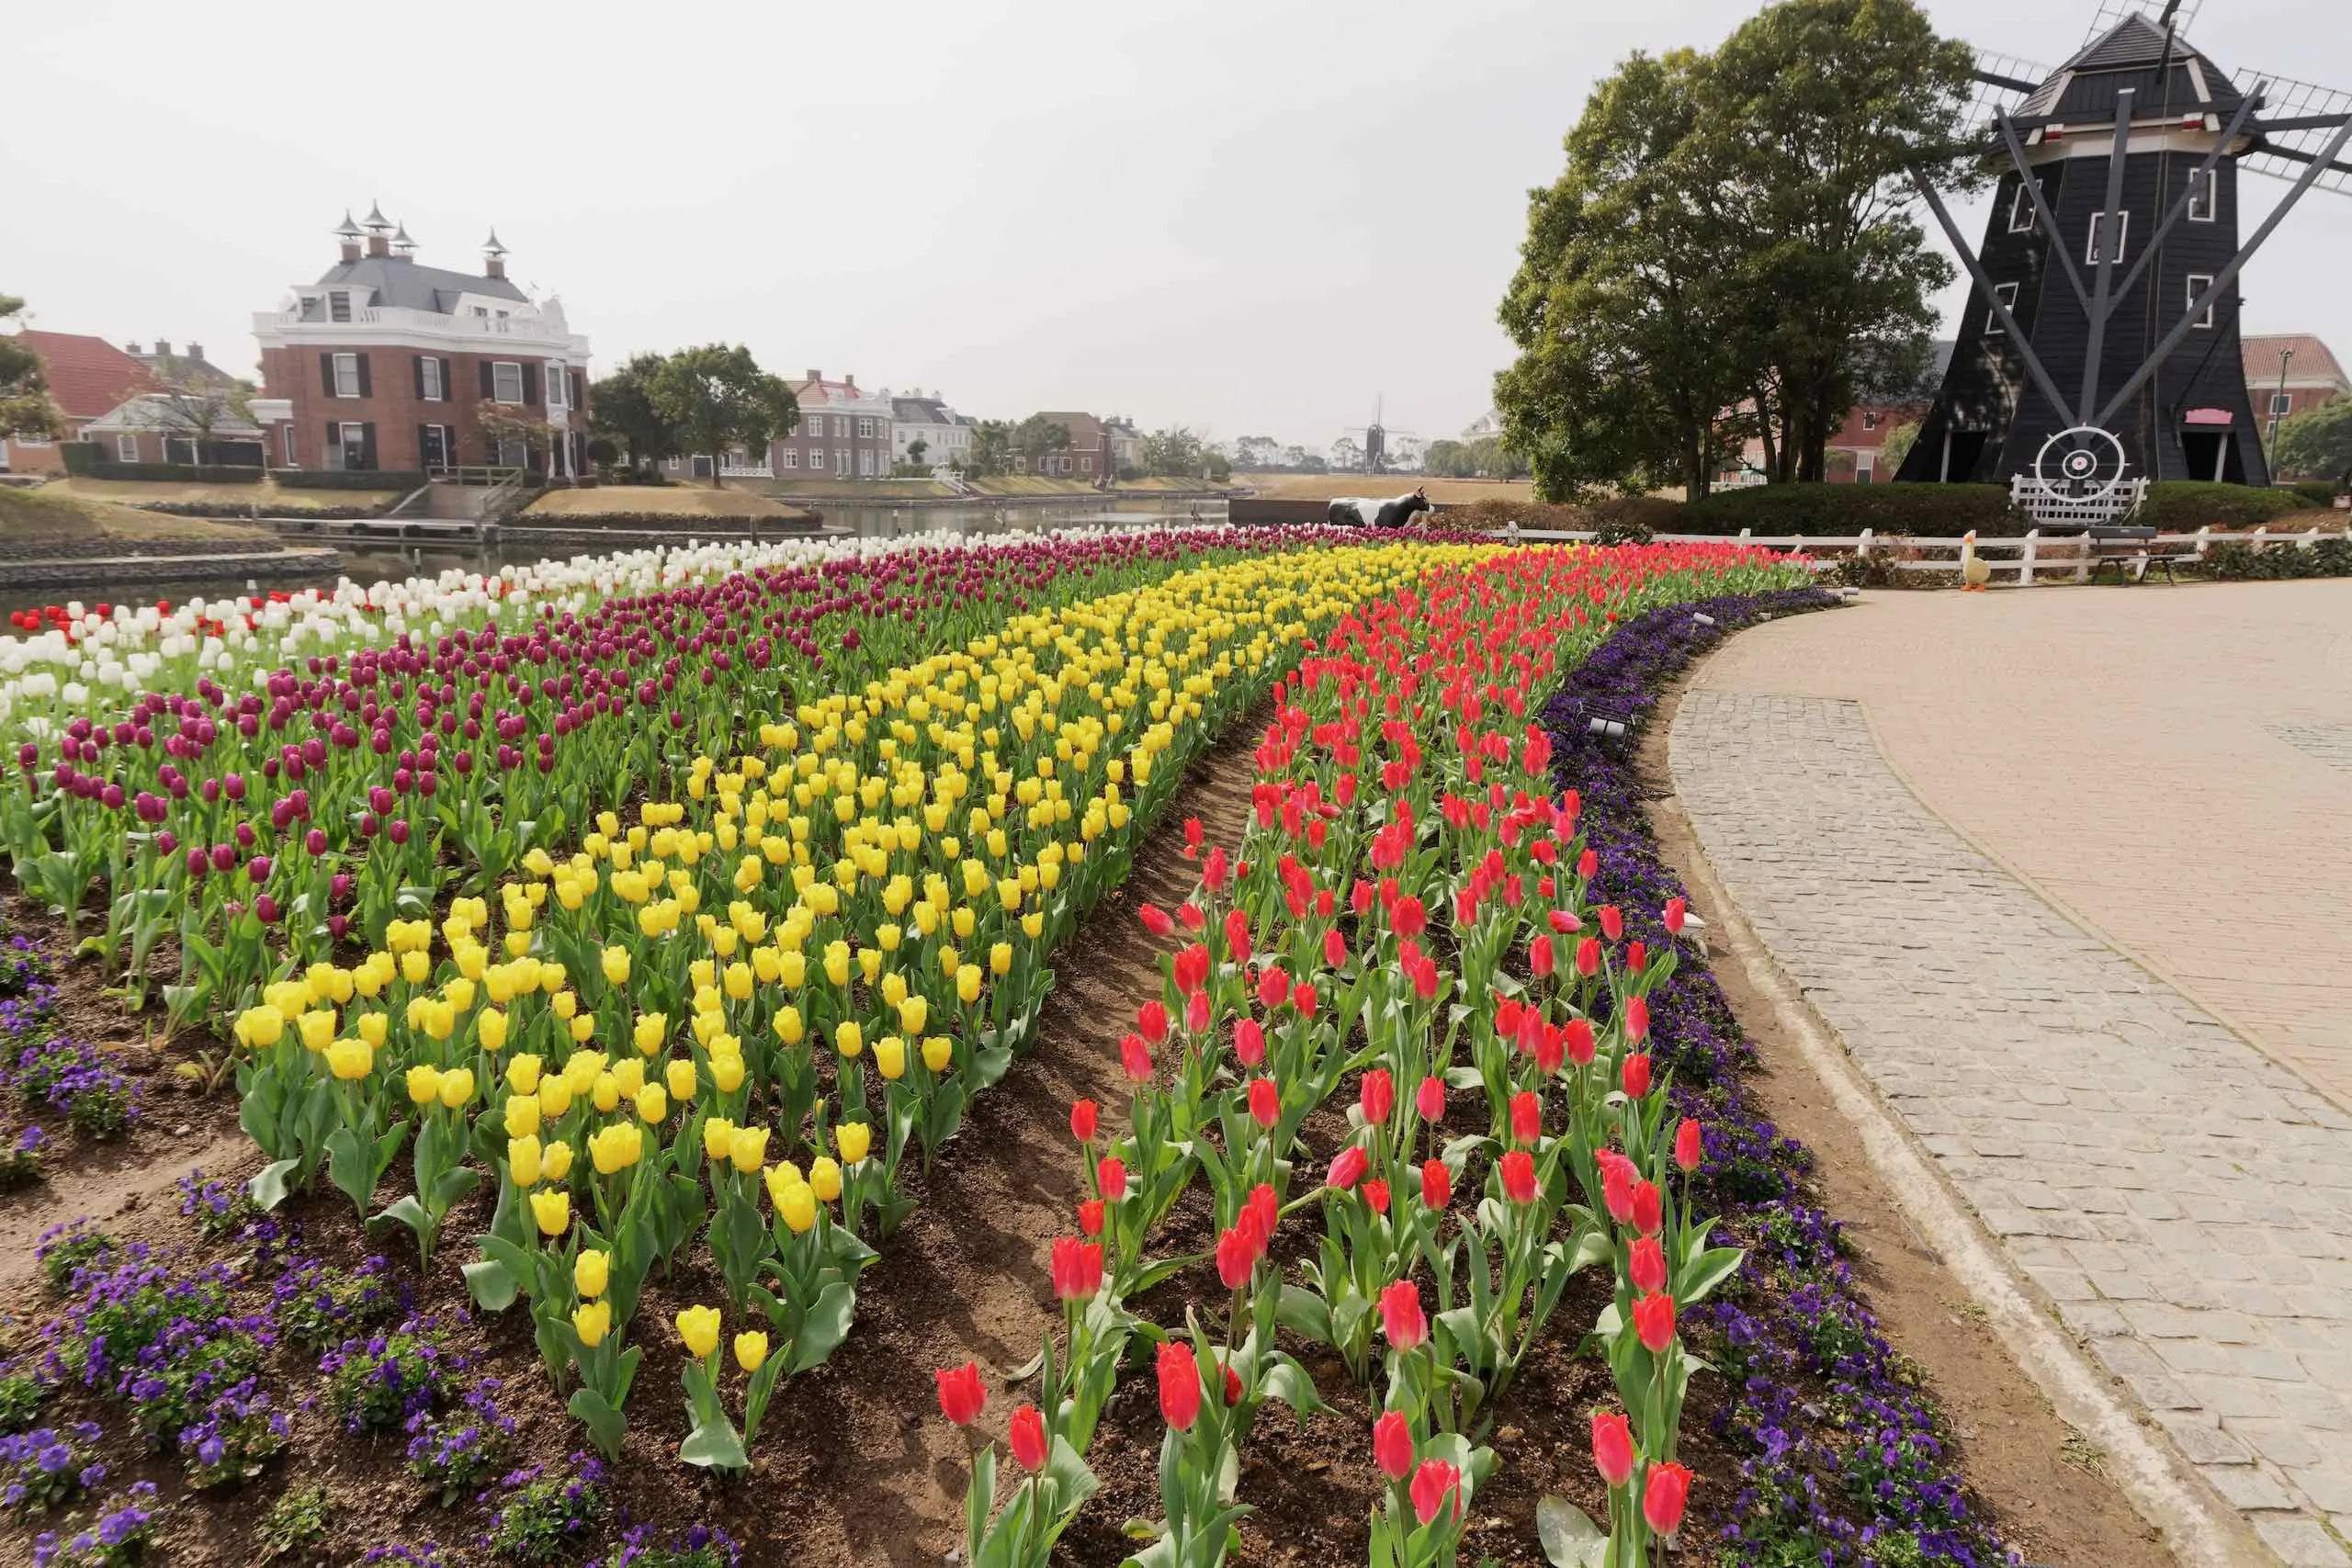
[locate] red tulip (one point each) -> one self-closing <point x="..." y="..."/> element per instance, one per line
<point x="1151" y="1021"/>
<point x="1135" y="1058"/>
<point x="1675" y="910"/>
<point x="1378" y="1096"/>
<point x="1540" y="957"/>
<point x="1646" y="1265"/>
<point x="1335" y="948"/>
<point x="1526" y="1117"/>
<point x="1519" y="1175"/>
<point x="1192" y="969"/>
<point x="1232" y="1387"/>
<point x="961" y="1392"/>
<point x="1436" y="1487"/>
<point x="1348" y="1166"/>
<point x="1636" y="1074"/>
<point x="1653" y="1322"/>
<point x="1429" y="1099"/>
<point x="1089" y="1216"/>
<point x="1637" y="1019"/>
<point x="1575" y="1038"/>
<point x="1077" y="1269"/>
<point x="1637" y="957"/>
<point x="1249" y="1043"/>
<point x="1273" y="989"/>
<point x="1028" y="1438"/>
<point x="1375" y="1195"/>
<point x="1237" y="936"/>
<point x="1179" y="1385"/>
<point x="1616" y="1185"/>
<point x="1648" y="1208"/>
<point x="1196" y="1014"/>
<point x="1663" y="1498"/>
<point x="1302" y="997"/>
<point x="1112" y="1177"/>
<point x="1236" y="1257"/>
<point x="1392" y="1445"/>
<point x="1688" y="1150"/>
<point x="1156" y="920"/>
<point x="1265" y="1101"/>
<point x="1612" y="922"/>
<point x="1266" y="1209"/>
<point x="1563" y="923"/>
<point x="1083" y="1116"/>
<point x="1612" y="1447"/>
<point x="1437" y="1184"/>
<point x="1401" y="1315"/>
<point x="1588" y="956"/>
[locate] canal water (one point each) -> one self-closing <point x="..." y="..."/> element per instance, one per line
<point x="371" y="563"/>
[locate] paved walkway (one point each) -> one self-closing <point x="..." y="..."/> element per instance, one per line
<point x="2183" y="1198"/>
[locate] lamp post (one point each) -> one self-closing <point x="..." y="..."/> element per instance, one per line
<point x="2284" y="355"/>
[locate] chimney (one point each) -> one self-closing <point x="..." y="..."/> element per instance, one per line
<point x="163" y="348"/>
<point x="196" y="350"/>
<point x="379" y="231"/>
<point x="493" y="256"/>
<point x="815" y="375"/>
<point x="347" y="236"/>
<point x="131" y="349"/>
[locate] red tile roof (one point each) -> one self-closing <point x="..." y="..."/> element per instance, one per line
<point x="87" y="375"/>
<point x="2311" y="362"/>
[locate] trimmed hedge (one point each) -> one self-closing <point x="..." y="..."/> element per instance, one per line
<point x="2331" y="557"/>
<point x="2316" y="492"/>
<point x="86" y="460"/>
<point x="2183" y="506"/>
<point x="349" y="478"/>
<point x="1928" y="510"/>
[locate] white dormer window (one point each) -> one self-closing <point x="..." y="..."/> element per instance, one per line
<point x="338" y="306"/>
<point x="2101" y="222"/>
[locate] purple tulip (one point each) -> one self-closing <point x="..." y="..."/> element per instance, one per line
<point x="399" y="829"/>
<point x="265" y="907"/>
<point x="315" y="841"/>
<point x="257" y="869"/>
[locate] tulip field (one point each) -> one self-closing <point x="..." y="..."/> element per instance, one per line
<point x="605" y="963"/>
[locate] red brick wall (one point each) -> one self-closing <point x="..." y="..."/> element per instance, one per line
<point x="393" y="405"/>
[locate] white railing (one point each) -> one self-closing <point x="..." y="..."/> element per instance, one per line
<point x="400" y="318"/>
<point x="2055" y="509"/>
<point x="2036" y="557"/>
<point x="746" y="471"/>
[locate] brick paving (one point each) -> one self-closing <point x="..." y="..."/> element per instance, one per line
<point x="2184" y="1200"/>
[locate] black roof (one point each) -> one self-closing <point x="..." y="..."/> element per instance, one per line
<point x="2129" y="55"/>
<point x="414" y="286"/>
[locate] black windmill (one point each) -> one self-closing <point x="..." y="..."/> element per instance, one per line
<point x="2100" y="347"/>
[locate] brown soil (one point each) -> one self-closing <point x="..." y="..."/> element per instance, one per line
<point x="2049" y="1504"/>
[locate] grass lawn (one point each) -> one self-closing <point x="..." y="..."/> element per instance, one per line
<point x="682" y="501"/>
<point x="1169" y="482"/>
<point x="1032" y="484"/>
<point x="272" y="500"/>
<point x="1324" y="487"/>
<point x="51" y="514"/>
<point x="857" y="490"/>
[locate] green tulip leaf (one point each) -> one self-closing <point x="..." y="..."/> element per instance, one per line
<point x="491" y="1283"/>
<point x="825" y="1327"/>
<point x="1570" y="1538"/>
<point x="267" y="1188"/>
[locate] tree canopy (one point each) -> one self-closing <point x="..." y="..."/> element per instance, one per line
<point x="1729" y="252"/>
<point x="2316" y="444"/>
<point x="25" y="405"/>
<point x="621" y="411"/>
<point x="716" y="396"/>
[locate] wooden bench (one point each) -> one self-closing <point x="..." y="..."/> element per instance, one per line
<point x="2132" y="550"/>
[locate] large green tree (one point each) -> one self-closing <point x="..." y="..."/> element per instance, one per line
<point x="621" y="410"/>
<point x="2316" y="444"/>
<point x="716" y="398"/>
<point x="25" y="405"/>
<point x="1036" y="438"/>
<point x="1728" y="254"/>
<point x="1176" y="452"/>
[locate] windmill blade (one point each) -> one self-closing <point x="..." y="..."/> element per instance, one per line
<point x="2184" y="15"/>
<point x="2288" y="151"/>
<point x="2001" y="81"/>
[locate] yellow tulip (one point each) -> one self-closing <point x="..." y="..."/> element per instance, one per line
<point x="967" y="983"/>
<point x="852" y="1138"/>
<point x="556" y="1162"/>
<point x="555" y="1095"/>
<point x="459" y="993"/>
<point x="748" y="1149"/>
<point x="652" y="1105"/>
<point x="788" y="1027"/>
<point x="317" y="1028"/>
<point x="650" y="1028"/>
<point x="717" y="1138"/>
<point x="699" y="1329"/>
<point x="796" y="1205"/>
<point x="629" y="1073"/>
<point x="913" y="1013"/>
<point x="848" y="1039"/>
<point x="791" y="969"/>
<point x="750" y="1349"/>
<point x="824" y="1179"/>
<point x="679" y="1077"/>
<point x="491" y="1030"/>
<point x="837" y="963"/>
<point x="351" y="1060"/>
<point x="522" y="1074"/>
<point x="891" y="1058"/>
<point x="590" y="1271"/>
<point x="583" y="1029"/>
<point x="416" y="967"/>
<point x="616" y="966"/>
<point x="457" y="1087"/>
<point x="616" y="1147"/>
<point x="1000" y="958"/>
<point x="523" y="1160"/>
<point x="592" y="1321"/>
<point x="423" y="1083"/>
<point x="604" y="1093"/>
<point x="522" y="1115"/>
<point x="566" y="1005"/>
<point x="937" y="1052"/>
<point x="371" y="1027"/>
<point x="552" y="1209"/>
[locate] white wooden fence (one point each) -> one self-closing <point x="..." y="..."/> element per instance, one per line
<point x="2019" y="562"/>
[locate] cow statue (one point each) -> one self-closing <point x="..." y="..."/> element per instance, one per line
<point x="1369" y="512"/>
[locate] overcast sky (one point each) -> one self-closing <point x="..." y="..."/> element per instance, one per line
<point x="1251" y="217"/>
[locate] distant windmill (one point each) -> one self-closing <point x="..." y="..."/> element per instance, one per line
<point x="2112" y="248"/>
<point x="1375" y="437"/>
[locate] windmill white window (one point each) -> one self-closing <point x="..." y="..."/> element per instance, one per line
<point x="2007" y="293"/>
<point x="2101" y="222"/>
<point x="2204" y="198"/>
<point x="2198" y="283"/>
<point x="2021" y="214"/>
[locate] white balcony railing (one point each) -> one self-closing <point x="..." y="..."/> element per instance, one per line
<point x="733" y="470"/>
<point x="400" y="318"/>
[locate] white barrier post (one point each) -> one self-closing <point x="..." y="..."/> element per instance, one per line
<point x="1862" y="545"/>
<point x="2260" y="540"/>
<point x="2026" y="560"/>
<point x="2203" y="531"/>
